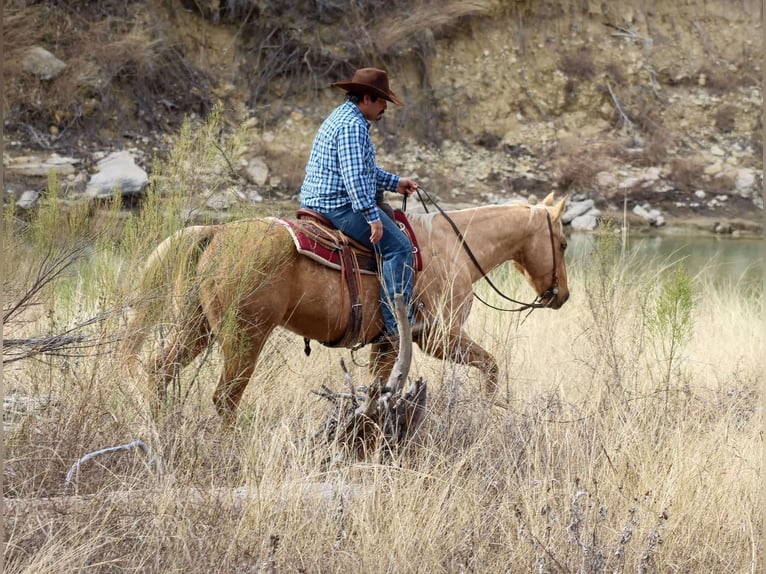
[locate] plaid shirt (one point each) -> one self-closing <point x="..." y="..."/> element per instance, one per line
<point x="341" y="169"/>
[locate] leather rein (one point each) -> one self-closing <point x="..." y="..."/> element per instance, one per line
<point x="551" y="291"/>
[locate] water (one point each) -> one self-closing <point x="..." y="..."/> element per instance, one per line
<point x="723" y="260"/>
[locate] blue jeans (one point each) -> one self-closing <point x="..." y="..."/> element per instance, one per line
<point x="394" y="258"/>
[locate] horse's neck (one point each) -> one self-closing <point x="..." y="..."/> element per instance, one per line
<point x="494" y="234"/>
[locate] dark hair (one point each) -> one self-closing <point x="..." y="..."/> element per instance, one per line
<point x="357" y="97"/>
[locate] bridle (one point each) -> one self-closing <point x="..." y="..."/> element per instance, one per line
<point x="550" y="292"/>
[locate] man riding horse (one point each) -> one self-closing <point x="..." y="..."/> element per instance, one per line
<point x="344" y="184"/>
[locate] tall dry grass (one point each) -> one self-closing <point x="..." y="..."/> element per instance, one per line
<point x="609" y="454"/>
<point x="625" y="436"/>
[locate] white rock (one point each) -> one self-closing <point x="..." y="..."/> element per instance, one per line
<point x="27" y="199"/>
<point x="586" y="222"/>
<point x="41" y="63"/>
<point x="714" y="169"/>
<point x="651" y="174"/>
<point x="254" y="196"/>
<point x="653" y="216"/>
<point x="745" y="181"/>
<point x="575" y="209"/>
<point x="629" y="182"/>
<point x="717" y="151"/>
<point x="258" y="171"/>
<point x="119" y="171"/>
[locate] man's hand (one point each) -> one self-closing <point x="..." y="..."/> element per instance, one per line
<point x="376" y="231"/>
<point x="407" y="186"/>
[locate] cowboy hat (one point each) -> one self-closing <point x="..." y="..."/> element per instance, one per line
<point x="370" y="81"/>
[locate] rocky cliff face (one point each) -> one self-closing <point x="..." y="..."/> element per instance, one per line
<point x="642" y="108"/>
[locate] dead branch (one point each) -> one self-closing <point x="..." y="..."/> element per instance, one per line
<point x="617" y="106"/>
<point x="51" y="267"/>
<point x="135" y="444"/>
<point x="383" y="416"/>
<point x="69" y="343"/>
<point x="629" y="32"/>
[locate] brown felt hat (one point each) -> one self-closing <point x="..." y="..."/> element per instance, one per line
<point x="370" y="81"/>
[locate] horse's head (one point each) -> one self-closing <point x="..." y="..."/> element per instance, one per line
<point x="541" y="259"/>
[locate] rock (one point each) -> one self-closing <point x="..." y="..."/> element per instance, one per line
<point x="258" y="171"/>
<point x="41" y="63"/>
<point x="586" y="222"/>
<point x="723" y="228"/>
<point x="27" y="199"/>
<point x="36" y="166"/>
<point x="716" y="151"/>
<point x="604" y="179"/>
<point x="651" y="174"/>
<point x="254" y="197"/>
<point x="629" y="182"/>
<point x="644" y="178"/>
<point x="653" y="216"/>
<point x="119" y="171"/>
<point x="714" y="168"/>
<point x="575" y="209"/>
<point x="745" y="181"/>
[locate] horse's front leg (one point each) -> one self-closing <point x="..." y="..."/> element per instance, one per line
<point x="458" y="347"/>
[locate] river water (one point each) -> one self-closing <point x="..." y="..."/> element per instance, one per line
<point x="736" y="262"/>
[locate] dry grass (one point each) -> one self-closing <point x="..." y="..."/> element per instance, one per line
<point x="725" y="118"/>
<point x="685" y="173"/>
<point x="599" y="461"/>
<point x="576" y="162"/>
<point x="120" y="63"/>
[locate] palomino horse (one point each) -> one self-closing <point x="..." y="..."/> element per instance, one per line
<point x="238" y="281"/>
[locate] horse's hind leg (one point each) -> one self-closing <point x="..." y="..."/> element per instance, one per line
<point x="240" y="353"/>
<point x="188" y="342"/>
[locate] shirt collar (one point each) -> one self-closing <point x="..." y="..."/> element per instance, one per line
<point x="357" y="112"/>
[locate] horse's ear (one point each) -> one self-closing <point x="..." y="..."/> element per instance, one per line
<point x="549" y="198"/>
<point x="559" y="209"/>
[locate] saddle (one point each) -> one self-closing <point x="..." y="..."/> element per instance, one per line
<point x="317" y="238"/>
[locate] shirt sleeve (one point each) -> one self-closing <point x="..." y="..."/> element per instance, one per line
<point x="357" y="166"/>
<point x="385" y="181"/>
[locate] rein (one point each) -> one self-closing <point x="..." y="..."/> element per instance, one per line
<point x="536" y="304"/>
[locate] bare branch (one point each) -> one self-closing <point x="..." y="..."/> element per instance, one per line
<point x="135" y="444"/>
<point x="617" y="106"/>
<point x="404" y="359"/>
<point x="50" y="268"/>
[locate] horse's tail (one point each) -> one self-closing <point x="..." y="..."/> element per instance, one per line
<point x="167" y="282"/>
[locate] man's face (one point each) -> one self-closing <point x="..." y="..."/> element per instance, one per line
<point x="372" y="110"/>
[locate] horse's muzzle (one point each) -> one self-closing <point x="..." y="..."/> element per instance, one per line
<point x="557" y="300"/>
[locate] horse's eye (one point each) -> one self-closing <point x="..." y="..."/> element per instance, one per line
<point x="563" y="245"/>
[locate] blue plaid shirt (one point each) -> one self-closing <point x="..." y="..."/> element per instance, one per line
<point x="341" y="169"/>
